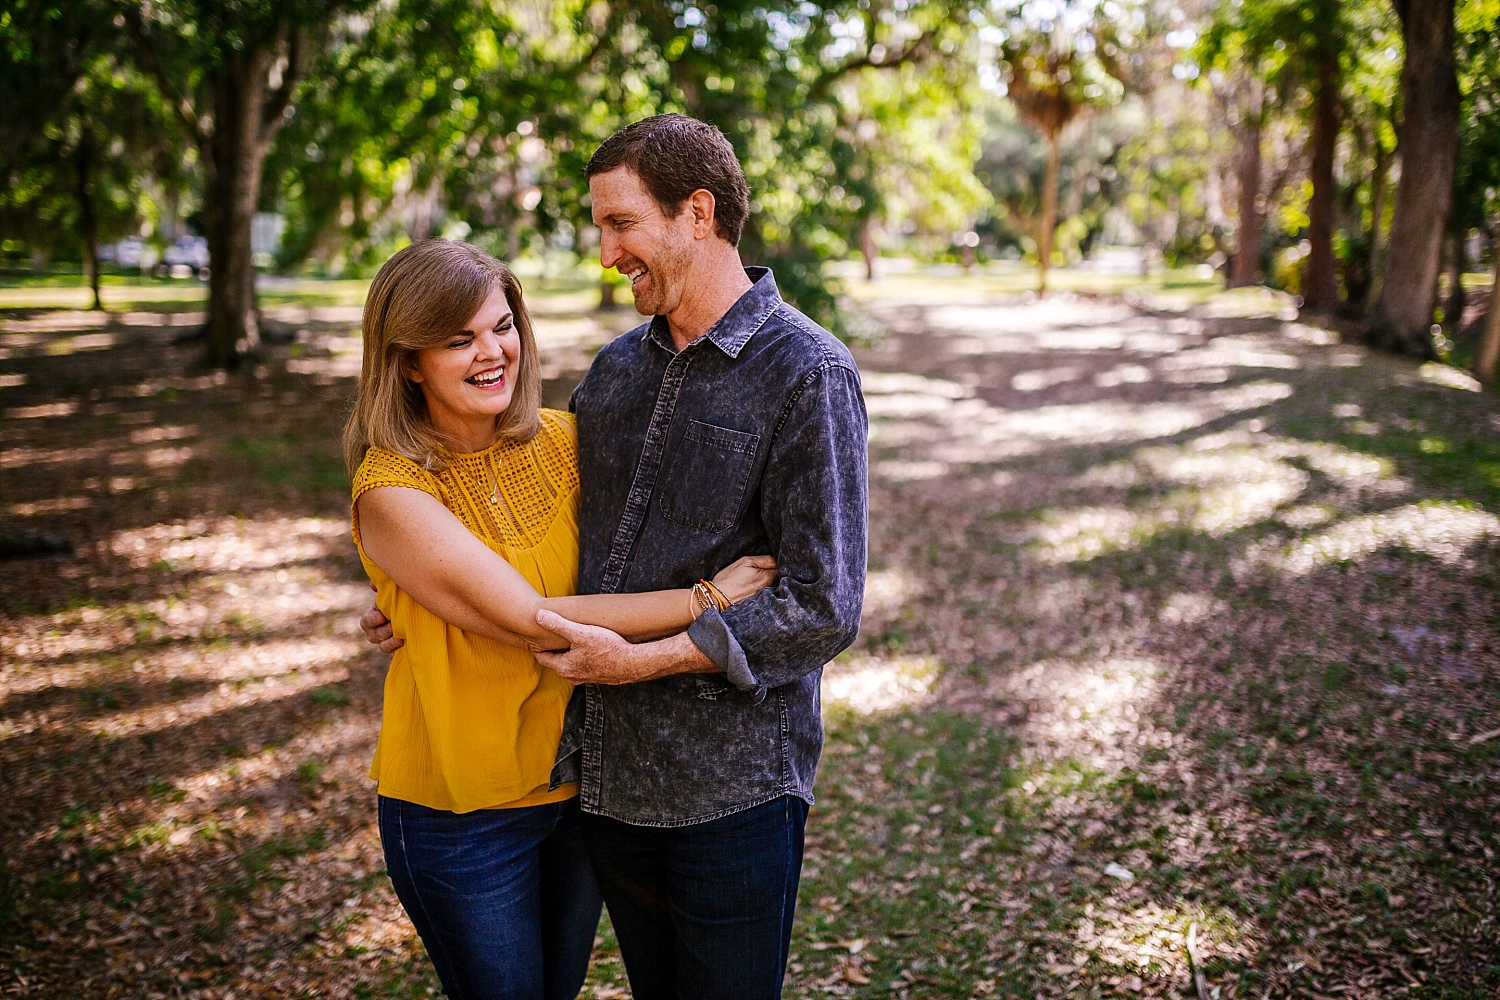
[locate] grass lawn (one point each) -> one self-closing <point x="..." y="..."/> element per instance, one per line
<point x="1180" y="656"/>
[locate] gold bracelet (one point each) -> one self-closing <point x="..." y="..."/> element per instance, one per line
<point x="720" y="600"/>
<point x="700" y="599"/>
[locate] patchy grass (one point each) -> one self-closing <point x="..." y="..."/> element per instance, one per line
<point x="1179" y="622"/>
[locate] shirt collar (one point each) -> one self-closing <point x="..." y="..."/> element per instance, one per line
<point x="735" y="328"/>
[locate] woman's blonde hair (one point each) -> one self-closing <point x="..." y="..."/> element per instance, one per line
<point x="423" y="295"/>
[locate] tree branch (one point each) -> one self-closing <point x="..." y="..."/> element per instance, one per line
<point x="147" y="57"/>
<point x="907" y="55"/>
<point x="612" y="23"/>
<point x="281" y="98"/>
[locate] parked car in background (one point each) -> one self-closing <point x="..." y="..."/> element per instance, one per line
<point x="189" y="250"/>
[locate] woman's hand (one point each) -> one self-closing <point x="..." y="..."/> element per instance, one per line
<point x="746" y="577"/>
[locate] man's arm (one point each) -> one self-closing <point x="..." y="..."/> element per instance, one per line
<point x="814" y="501"/>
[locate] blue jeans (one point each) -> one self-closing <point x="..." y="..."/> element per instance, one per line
<point x="504" y="899"/>
<point x="703" y="912"/>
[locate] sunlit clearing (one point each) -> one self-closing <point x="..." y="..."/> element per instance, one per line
<point x="264" y="672"/>
<point x="872" y="684"/>
<point x="1448" y="377"/>
<point x="1058" y="326"/>
<point x="230" y="543"/>
<point x="1231" y="488"/>
<point x="1305" y="516"/>
<point x="1045" y="378"/>
<point x="1441" y="530"/>
<point x="1091" y="711"/>
<point x="1253" y="301"/>
<point x="1123" y="375"/>
<point x="41" y="410"/>
<point x="1153" y="939"/>
<point x="951" y="428"/>
<point x="1232" y="352"/>
<point x="57" y="505"/>
<point x="1237" y="478"/>
<point x="886" y="590"/>
<point x="1186" y="609"/>
<point x="1088" y="532"/>
<point x="1352" y="470"/>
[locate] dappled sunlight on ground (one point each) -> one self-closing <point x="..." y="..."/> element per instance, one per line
<point x="1180" y="621"/>
<point x="1191" y="567"/>
<point x="870" y="684"/>
<point x="1444" y="531"/>
<point x="948" y="426"/>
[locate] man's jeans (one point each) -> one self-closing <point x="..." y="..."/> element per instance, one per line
<point x="504" y="899"/>
<point x="703" y="911"/>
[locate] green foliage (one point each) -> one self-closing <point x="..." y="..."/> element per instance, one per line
<point x="1477" y="182"/>
<point x="445" y="117"/>
<point x="87" y="150"/>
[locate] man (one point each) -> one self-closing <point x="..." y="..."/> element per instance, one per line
<point x="728" y="425"/>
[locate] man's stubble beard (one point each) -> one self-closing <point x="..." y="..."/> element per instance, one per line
<point x="666" y="278"/>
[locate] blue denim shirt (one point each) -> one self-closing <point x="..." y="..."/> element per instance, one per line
<point x="750" y="440"/>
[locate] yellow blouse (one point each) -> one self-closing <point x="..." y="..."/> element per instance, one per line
<point x="471" y="723"/>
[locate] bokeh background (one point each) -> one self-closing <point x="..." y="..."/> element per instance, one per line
<point x="1178" y="673"/>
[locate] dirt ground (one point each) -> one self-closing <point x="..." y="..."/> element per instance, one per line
<point x="1178" y="673"/>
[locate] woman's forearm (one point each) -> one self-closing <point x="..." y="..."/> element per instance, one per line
<point x="434" y="558"/>
<point x="637" y="617"/>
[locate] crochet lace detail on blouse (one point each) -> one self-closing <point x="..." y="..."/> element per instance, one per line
<point x="509" y="493"/>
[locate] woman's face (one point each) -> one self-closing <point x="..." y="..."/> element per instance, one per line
<point x="468" y="379"/>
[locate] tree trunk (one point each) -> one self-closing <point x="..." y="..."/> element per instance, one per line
<point x="1246" y="269"/>
<point x="1377" y="216"/>
<point x="867" y="247"/>
<point x="1049" y="207"/>
<point x="1320" y="284"/>
<point x="1453" y="309"/>
<point x="237" y="151"/>
<point x="607" y="301"/>
<point x="1489" y="343"/>
<point x="87" y="218"/>
<point x="1424" y="197"/>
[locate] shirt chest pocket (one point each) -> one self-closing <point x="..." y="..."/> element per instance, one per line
<point x="708" y="475"/>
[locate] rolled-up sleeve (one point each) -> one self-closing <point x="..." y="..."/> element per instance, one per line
<point x="814" y="504"/>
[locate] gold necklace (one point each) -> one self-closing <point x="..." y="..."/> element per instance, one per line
<point x="489" y="467"/>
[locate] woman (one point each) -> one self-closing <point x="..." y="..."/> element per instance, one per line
<point x="465" y="514"/>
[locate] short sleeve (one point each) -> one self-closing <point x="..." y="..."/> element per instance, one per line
<point x="557" y="449"/>
<point x="386" y="468"/>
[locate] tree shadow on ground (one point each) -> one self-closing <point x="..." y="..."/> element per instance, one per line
<point x="1190" y="633"/>
<point x="1230" y="674"/>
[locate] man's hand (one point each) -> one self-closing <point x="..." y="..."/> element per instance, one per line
<point x="595" y="655"/>
<point x="378" y="631"/>
<point x="599" y="656"/>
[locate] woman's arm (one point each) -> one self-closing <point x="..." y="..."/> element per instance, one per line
<point x="432" y="556"/>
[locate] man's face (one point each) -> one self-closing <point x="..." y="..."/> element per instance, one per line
<point x="654" y="251"/>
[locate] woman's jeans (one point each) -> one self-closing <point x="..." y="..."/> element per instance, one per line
<point x="504" y="899"/>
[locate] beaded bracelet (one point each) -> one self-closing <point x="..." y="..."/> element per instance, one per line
<point x="700" y="600"/>
<point x="718" y="595"/>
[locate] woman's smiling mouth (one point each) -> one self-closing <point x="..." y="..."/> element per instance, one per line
<point x="490" y="379"/>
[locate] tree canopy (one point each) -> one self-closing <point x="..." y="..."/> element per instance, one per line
<point x="1259" y="138"/>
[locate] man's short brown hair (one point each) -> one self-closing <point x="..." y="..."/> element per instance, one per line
<point x="675" y="155"/>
